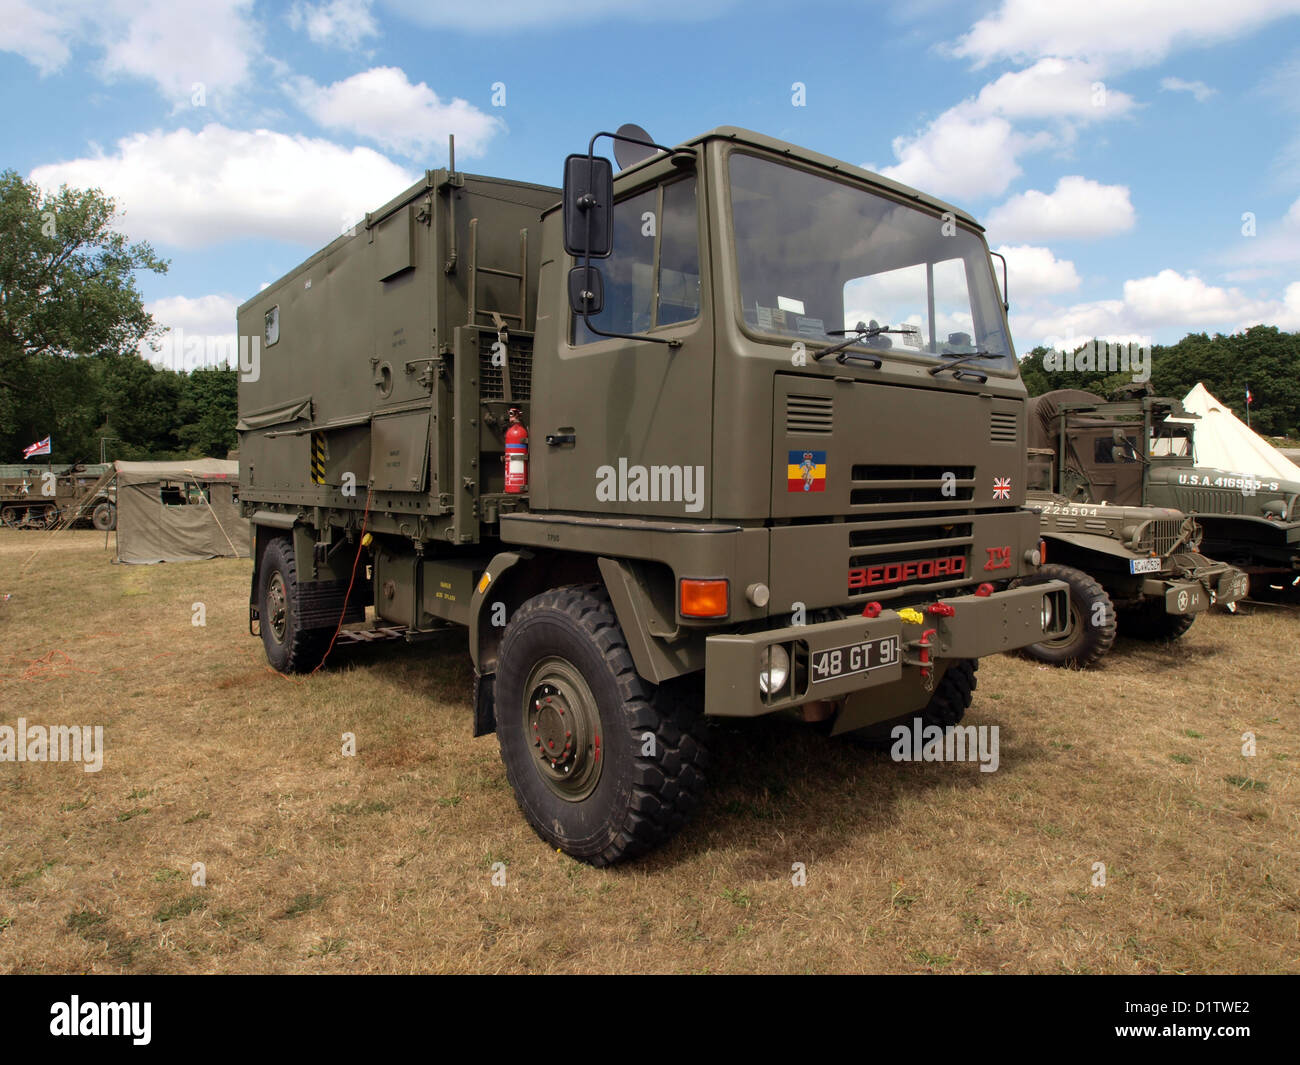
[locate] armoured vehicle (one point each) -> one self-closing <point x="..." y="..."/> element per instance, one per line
<point x="1142" y="451"/>
<point x="1135" y="570"/>
<point x="621" y="433"/>
<point x="41" y="497"/>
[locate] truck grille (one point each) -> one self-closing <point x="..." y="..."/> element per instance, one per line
<point x="1159" y="535"/>
<point x="808" y="415"/>
<point x="1002" y="427"/>
<point x="883" y="486"/>
<point x="884" y="544"/>
<point x="491" y="378"/>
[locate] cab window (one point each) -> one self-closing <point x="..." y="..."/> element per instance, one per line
<point x="653" y="276"/>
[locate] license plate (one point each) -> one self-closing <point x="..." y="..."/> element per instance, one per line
<point x="1144" y="565"/>
<point x="854" y="658"/>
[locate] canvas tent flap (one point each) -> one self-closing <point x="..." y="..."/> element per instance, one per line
<point x="1224" y="442"/>
<point x="179" y="511"/>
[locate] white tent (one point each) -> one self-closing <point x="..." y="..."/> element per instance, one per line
<point x="1223" y="442"/>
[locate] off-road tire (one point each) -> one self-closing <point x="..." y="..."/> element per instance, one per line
<point x="1085" y="642"/>
<point x="637" y="801"/>
<point x="290" y="648"/>
<point x="1151" y="622"/>
<point x="947" y="706"/>
<point x="104" y="517"/>
<point x="952" y="695"/>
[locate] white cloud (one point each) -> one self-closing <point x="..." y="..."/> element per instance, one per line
<point x="1198" y="89"/>
<point x="491" y="15"/>
<point x="380" y="104"/>
<point x="1128" y="32"/>
<point x="201" y="332"/>
<point x="1077" y="207"/>
<point x="1274" y="243"/>
<point x="1033" y="272"/>
<point x="1054" y="88"/>
<point x="340" y="23"/>
<point x="971" y="150"/>
<point x="193" y="189"/>
<point x="1164" y="301"/>
<point x="170" y="44"/>
<point x="959" y="157"/>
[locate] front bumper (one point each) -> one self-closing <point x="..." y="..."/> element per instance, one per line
<point x="903" y="648"/>
<point x="1209" y="585"/>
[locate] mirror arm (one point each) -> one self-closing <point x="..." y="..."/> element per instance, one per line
<point x="672" y="342"/>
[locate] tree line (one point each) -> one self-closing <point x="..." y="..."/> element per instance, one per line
<point x="1262" y="358"/>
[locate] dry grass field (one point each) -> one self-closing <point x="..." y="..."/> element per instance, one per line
<point x="382" y="862"/>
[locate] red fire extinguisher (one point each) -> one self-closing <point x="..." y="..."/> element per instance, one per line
<point x="516" y="456"/>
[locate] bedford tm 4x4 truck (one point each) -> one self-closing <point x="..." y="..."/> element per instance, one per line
<point x="1142" y="451"/>
<point x="620" y="434"/>
<point x="1137" y="571"/>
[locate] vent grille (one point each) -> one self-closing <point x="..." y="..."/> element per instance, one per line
<point x="519" y="354"/>
<point x="1002" y="427"/>
<point x="874" y="485"/>
<point x="808" y="415"/>
<point x="1161" y="534"/>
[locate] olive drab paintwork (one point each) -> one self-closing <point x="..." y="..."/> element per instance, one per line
<point x="41" y="497"/>
<point x="1142" y="450"/>
<point x="857" y="515"/>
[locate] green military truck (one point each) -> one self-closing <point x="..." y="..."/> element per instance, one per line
<point x="1133" y="570"/>
<point x="42" y="497"/>
<point x="717" y="502"/>
<point x="1142" y="451"/>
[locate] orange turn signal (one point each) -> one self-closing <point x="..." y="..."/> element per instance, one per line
<point x="703" y="599"/>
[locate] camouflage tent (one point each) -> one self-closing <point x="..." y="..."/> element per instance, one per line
<point x="179" y="511"/>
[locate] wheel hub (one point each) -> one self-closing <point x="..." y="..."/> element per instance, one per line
<point x="277" y="606"/>
<point x="562" y="727"/>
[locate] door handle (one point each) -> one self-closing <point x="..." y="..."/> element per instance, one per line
<point x="558" y="439"/>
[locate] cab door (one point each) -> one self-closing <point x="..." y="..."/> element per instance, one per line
<point x="624" y="426"/>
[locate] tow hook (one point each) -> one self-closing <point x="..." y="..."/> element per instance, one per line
<point x="922" y="647"/>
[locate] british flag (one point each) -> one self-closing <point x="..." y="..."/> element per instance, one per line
<point x="41" y="447"/>
<point x="1001" y="487"/>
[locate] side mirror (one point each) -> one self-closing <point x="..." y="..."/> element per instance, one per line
<point x="588" y="206"/>
<point x="586" y="290"/>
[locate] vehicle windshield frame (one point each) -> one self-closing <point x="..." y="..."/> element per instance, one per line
<point x="1006" y="366"/>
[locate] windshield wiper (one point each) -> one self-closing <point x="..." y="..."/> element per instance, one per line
<point x="860" y="332"/>
<point x="964" y="359"/>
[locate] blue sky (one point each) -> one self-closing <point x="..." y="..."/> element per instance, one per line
<point x="1111" y="148"/>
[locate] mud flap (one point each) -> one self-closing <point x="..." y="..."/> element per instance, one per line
<point x="485" y="716"/>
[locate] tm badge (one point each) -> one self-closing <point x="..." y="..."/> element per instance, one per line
<point x="806" y="471"/>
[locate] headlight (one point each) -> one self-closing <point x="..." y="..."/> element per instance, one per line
<point x="773" y="669"/>
<point x="1047" y="613"/>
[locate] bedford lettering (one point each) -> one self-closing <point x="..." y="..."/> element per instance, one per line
<point x="899" y="572"/>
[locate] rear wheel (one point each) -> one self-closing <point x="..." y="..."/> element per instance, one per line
<point x="290" y="648"/>
<point x="604" y="765"/>
<point x="104" y="517"/>
<point x="1091" y="630"/>
<point x="1152" y="622"/>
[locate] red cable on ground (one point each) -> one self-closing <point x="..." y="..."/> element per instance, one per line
<point x="348" y="594"/>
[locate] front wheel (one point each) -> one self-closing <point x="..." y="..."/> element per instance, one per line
<point x="604" y="765"/>
<point x="1151" y="622"/>
<point x="105" y="517"/>
<point x="1091" y="630"/>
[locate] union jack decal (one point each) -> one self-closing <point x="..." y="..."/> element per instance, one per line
<point x="1001" y="487"/>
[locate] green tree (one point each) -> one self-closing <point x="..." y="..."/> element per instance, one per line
<point x="67" y="285"/>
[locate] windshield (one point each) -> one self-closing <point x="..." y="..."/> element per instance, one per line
<point x="817" y="255"/>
